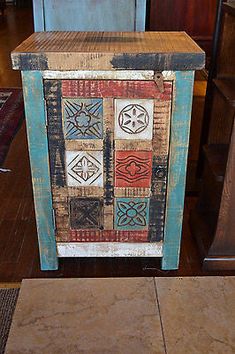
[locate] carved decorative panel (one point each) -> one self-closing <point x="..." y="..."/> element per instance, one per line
<point x="83" y="118"/>
<point x="133" y="119"/>
<point x="131" y="213"/>
<point x="84" y="168"/>
<point x="86" y="213"/>
<point x="108" y="146"/>
<point x="133" y="168"/>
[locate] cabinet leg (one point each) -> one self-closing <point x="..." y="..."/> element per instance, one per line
<point x="180" y="128"/>
<point x="39" y="160"/>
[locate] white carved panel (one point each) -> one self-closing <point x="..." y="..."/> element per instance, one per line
<point x="84" y="168"/>
<point x="134" y="119"/>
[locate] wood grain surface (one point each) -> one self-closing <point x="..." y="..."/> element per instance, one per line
<point x="38" y="148"/>
<point x="108" y="51"/>
<point x="226" y="55"/>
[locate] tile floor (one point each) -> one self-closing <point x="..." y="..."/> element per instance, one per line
<point x="125" y="315"/>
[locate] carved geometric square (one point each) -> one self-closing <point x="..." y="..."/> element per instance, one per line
<point x="133" y="168"/>
<point x="134" y="119"/>
<point x="86" y="213"/>
<point x="84" y="168"/>
<point x="83" y="118"/>
<point x="131" y="213"/>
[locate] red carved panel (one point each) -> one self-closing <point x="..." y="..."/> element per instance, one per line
<point x="133" y="168"/>
<point x="107" y="236"/>
<point x="118" y="89"/>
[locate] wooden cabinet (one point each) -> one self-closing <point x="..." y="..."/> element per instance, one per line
<point x="108" y="118"/>
<point x="196" y="17"/>
<point x="89" y="15"/>
<point x="212" y="221"/>
<point x="2" y="6"/>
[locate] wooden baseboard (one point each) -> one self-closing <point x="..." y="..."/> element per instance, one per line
<point x="219" y="263"/>
<point x="204" y="234"/>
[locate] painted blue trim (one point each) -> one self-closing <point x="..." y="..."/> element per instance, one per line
<point x="140" y="15"/>
<point x="108" y="15"/>
<point x="39" y="160"/>
<point x="180" y="128"/>
<point x="38" y="15"/>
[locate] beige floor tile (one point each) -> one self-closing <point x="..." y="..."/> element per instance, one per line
<point x="86" y="316"/>
<point x="198" y="314"/>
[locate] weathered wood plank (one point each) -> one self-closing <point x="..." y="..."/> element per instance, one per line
<point x="107" y="249"/>
<point x="115" y="88"/>
<point x="105" y="75"/>
<point x="161" y="126"/>
<point x="61" y="193"/>
<point x="99" y="75"/>
<point x="158" y="198"/>
<point x="56" y="141"/>
<point x="38" y="148"/>
<point x="180" y="127"/>
<point x="108" y="51"/>
<point x="131" y="192"/>
<point x="126" y="144"/>
<point x="86" y="235"/>
<point x="161" y="134"/>
<point x="83" y="145"/>
<point x="108" y="216"/>
<point x="108" y="118"/>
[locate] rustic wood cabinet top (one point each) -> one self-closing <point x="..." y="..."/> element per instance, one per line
<point x="108" y="51"/>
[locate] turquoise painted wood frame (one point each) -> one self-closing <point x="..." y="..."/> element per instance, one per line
<point x="89" y="15"/>
<point x="38" y="149"/>
<point x="39" y="161"/>
<point x="179" y="139"/>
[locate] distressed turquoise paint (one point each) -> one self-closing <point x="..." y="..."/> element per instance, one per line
<point x="38" y="150"/>
<point x="180" y="127"/>
<point x="140" y="15"/>
<point x="38" y="15"/>
<point x="89" y="15"/>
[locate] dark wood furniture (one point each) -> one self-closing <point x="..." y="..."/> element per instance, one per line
<point x="213" y="220"/>
<point x="196" y="17"/>
<point x="2" y="6"/>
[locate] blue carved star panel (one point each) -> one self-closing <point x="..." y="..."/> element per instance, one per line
<point x="83" y="118"/>
<point x="131" y="213"/>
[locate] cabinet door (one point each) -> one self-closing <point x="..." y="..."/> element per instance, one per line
<point x="89" y="15"/>
<point x="108" y="148"/>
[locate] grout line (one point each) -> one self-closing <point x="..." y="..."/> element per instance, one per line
<point x="161" y="322"/>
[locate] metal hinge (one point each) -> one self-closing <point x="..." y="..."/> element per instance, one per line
<point x="158" y="79"/>
<point x="53" y="218"/>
